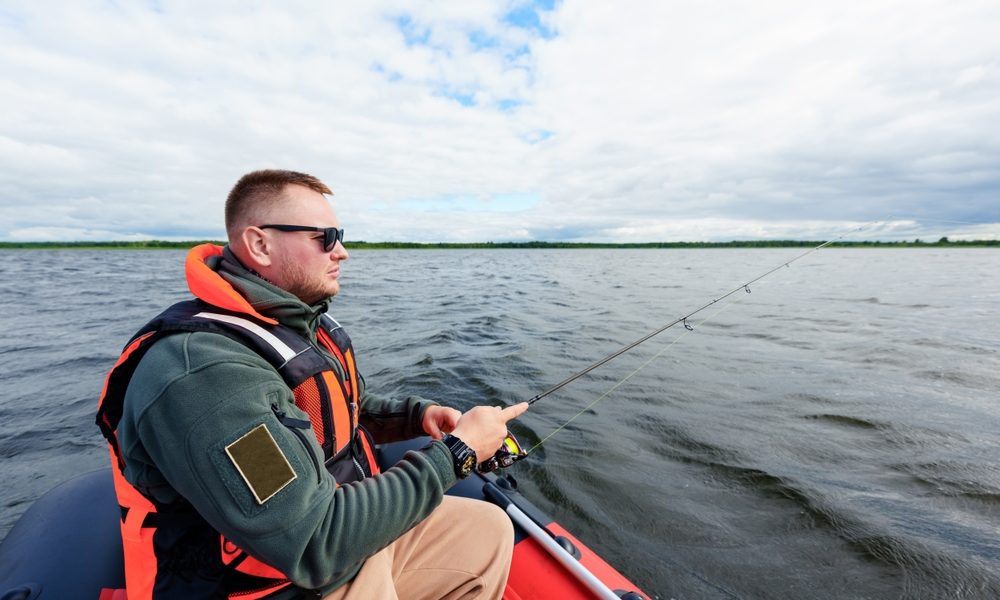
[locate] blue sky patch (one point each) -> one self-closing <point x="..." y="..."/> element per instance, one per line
<point x="413" y="34"/>
<point x="513" y="202"/>
<point x="389" y="75"/>
<point x="539" y="135"/>
<point x="480" y="40"/>
<point x="15" y="20"/>
<point x="509" y="104"/>
<point x="462" y="97"/>
<point x="526" y="17"/>
<point x="515" y="54"/>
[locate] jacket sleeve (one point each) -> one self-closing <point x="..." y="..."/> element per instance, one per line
<point x="391" y="420"/>
<point x="193" y="395"/>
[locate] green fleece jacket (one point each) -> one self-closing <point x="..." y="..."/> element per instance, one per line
<point x="194" y="393"/>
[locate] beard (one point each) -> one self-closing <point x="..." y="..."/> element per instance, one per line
<point x="305" y="285"/>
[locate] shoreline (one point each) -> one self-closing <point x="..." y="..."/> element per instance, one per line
<point x="184" y="245"/>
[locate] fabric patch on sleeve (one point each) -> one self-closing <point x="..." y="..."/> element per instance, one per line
<point x="261" y="463"/>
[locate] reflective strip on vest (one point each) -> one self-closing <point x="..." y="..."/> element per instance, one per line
<point x="279" y="346"/>
<point x="334" y="321"/>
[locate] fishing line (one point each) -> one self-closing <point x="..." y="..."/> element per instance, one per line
<point x="745" y="287"/>
<point x="630" y="375"/>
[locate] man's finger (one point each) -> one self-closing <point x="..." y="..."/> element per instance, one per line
<point x="513" y="412"/>
<point x="451" y="417"/>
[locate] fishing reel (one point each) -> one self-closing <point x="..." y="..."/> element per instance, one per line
<point x="509" y="453"/>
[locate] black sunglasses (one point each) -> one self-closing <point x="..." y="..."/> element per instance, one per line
<point x="331" y="235"/>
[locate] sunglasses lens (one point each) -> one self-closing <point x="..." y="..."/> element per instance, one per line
<point x="330" y="238"/>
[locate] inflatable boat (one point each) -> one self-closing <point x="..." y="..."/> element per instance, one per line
<point x="68" y="545"/>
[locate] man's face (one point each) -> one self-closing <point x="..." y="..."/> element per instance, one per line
<point x="300" y="264"/>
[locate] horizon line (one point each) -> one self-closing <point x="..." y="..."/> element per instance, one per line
<point x="361" y="244"/>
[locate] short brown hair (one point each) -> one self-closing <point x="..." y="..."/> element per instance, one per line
<point x="262" y="188"/>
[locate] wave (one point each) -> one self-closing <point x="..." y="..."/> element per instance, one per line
<point x="846" y="421"/>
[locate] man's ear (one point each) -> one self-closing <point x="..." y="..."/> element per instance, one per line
<point x="257" y="246"/>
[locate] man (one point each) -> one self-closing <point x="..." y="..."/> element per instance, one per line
<point x="241" y="434"/>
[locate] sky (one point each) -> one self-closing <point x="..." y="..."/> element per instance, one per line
<point x="507" y="120"/>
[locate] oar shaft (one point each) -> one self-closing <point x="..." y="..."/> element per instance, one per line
<point x="580" y="572"/>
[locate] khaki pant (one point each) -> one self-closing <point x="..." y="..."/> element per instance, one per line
<point x="461" y="551"/>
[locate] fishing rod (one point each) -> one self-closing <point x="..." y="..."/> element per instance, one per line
<point x="511" y="450"/>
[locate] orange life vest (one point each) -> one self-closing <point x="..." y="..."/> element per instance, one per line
<point x="170" y="551"/>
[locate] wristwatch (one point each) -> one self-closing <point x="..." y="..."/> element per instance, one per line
<point x="463" y="457"/>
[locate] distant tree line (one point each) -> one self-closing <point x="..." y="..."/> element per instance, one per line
<point x="140" y="244"/>
<point x="361" y="245"/>
<point x="732" y="244"/>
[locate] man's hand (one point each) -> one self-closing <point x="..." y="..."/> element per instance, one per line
<point x="483" y="428"/>
<point x="439" y="420"/>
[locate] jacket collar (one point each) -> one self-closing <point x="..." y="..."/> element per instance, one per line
<point x="215" y="275"/>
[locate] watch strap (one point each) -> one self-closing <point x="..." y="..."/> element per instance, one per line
<point x="463" y="457"/>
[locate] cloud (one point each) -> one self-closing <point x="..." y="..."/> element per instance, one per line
<point x="663" y="121"/>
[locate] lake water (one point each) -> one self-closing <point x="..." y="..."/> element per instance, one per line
<point x="833" y="434"/>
